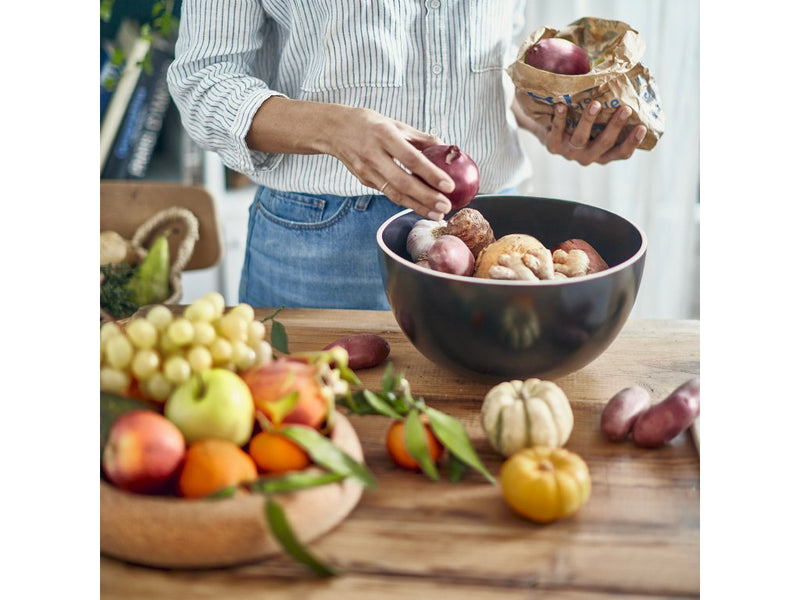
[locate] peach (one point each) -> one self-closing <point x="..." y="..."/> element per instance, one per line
<point x="272" y="382"/>
<point x="144" y="452"/>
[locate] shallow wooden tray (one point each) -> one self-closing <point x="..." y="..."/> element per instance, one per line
<point x="172" y="532"/>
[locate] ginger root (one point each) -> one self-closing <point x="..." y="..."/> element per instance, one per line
<point x="518" y="244"/>
<point x="534" y="265"/>
<point x="570" y="264"/>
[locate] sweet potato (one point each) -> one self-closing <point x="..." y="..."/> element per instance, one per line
<point x="364" y="350"/>
<point x="666" y="420"/>
<point x="621" y="412"/>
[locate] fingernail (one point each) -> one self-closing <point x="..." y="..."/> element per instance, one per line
<point x="594" y="108"/>
<point x="441" y="207"/>
<point x="446" y="186"/>
<point x="435" y="216"/>
<point x="641" y="131"/>
<point x="560" y="109"/>
<point x="625" y="112"/>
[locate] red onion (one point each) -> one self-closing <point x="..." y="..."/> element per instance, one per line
<point x="558" y="55"/>
<point x="461" y="169"/>
<point x="450" y="254"/>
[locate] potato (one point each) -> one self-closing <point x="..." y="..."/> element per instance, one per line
<point x="666" y="420"/>
<point x="596" y="262"/>
<point x="364" y="350"/>
<point x="621" y="412"/>
<point x="450" y="254"/>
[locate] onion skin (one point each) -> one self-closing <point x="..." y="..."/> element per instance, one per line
<point x="558" y="55"/>
<point x="461" y="168"/>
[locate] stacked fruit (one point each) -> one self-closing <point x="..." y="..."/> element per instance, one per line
<point x="214" y="400"/>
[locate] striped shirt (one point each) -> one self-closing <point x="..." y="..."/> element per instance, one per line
<point x="437" y="65"/>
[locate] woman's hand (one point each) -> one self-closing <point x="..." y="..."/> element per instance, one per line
<point x="578" y="147"/>
<point x="369" y="144"/>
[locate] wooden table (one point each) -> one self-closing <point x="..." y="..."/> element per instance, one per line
<point x="638" y="535"/>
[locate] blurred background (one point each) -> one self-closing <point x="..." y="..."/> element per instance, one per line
<point x="657" y="189"/>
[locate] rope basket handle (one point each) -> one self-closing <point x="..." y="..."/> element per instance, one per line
<point x="164" y="217"/>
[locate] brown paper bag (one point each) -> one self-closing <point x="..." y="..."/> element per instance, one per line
<point x="617" y="77"/>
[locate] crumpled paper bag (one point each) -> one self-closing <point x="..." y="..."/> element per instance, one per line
<point x="617" y="77"/>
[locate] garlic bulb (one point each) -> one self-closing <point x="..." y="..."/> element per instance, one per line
<point x="421" y="237"/>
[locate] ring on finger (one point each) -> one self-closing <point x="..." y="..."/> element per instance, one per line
<point x="383" y="187"/>
<point x="574" y="147"/>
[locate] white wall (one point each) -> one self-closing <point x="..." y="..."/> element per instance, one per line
<point x="656" y="189"/>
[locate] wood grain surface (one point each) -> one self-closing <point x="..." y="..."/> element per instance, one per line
<point x="638" y="536"/>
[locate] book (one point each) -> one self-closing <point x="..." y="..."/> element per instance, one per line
<point x="141" y="126"/>
<point x="121" y="95"/>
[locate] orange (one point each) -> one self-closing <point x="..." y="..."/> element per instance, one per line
<point x="213" y="464"/>
<point x="396" y="445"/>
<point x="275" y="453"/>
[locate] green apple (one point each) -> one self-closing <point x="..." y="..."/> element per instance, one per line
<point x="215" y="403"/>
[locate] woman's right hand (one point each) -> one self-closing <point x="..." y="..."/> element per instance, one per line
<point x="370" y="145"/>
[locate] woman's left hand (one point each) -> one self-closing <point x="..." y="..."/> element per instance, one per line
<point x="578" y="146"/>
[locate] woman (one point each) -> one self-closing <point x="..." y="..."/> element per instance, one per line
<point x="327" y="106"/>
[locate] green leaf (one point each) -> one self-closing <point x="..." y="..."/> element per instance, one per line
<point x="388" y="382"/>
<point x="292" y="482"/>
<point x="278" y="337"/>
<point x="283" y="533"/>
<point x="324" y="453"/>
<point x="277" y="411"/>
<point x="452" y="434"/>
<point x="417" y="444"/>
<point x="455" y="468"/>
<point x="381" y="406"/>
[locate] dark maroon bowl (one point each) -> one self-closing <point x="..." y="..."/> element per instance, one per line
<point x="513" y="329"/>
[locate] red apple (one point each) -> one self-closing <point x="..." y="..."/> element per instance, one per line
<point x="144" y="452"/>
<point x="558" y="55"/>
<point x="272" y="383"/>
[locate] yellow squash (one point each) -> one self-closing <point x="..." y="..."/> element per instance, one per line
<point x="545" y="484"/>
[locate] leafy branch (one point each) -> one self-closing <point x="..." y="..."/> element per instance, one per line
<point x="395" y="401"/>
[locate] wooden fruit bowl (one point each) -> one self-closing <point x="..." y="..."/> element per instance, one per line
<point x="171" y="532"/>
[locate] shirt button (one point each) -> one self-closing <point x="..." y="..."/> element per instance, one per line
<point x="434" y="131"/>
<point x="437" y="69"/>
<point x="434" y="4"/>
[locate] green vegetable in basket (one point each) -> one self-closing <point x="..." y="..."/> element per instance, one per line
<point x="150" y="283"/>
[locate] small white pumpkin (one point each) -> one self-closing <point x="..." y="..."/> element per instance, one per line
<point x="521" y="414"/>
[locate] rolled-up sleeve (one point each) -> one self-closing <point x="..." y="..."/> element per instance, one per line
<point x="214" y="82"/>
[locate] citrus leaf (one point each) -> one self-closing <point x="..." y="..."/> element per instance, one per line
<point x="277" y="410"/>
<point x="324" y="453"/>
<point x="417" y="444"/>
<point x="452" y="434"/>
<point x="381" y="406"/>
<point x="292" y="482"/>
<point x="278" y="337"/>
<point x="455" y="468"/>
<point x="282" y="531"/>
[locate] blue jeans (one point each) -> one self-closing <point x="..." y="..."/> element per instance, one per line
<point x="314" y="251"/>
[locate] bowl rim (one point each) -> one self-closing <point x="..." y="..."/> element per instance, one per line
<point x="508" y="282"/>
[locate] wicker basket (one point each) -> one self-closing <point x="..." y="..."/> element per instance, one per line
<point x="172" y="221"/>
